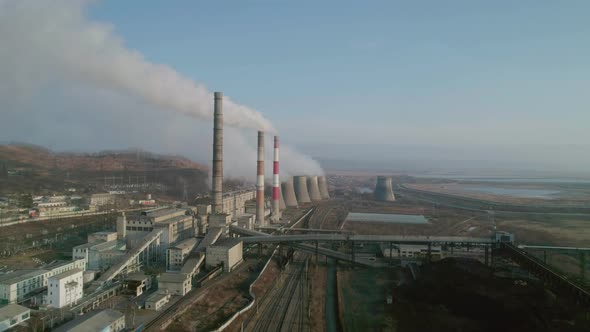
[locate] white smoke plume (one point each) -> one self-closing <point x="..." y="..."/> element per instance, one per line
<point x="57" y="33"/>
<point x="50" y="49"/>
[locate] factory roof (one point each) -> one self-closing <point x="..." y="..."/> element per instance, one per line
<point x="136" y="276"/>
<point x="227" y="242"/>
<point x="95" y="321"/>
<point x="56" y="264"/>
<point x="103" y="246"/>
<point x="172" y="277"/>
<point x="11" y="310"/>
<point x="20" y="275"/>
<point x="66" y="274"/>
<point x="171" y="220"/>
<point x="163" y="212"/>
<point x="192" y="263"/>
<point x="185" y="244"/>
<point x="156" y="297"/>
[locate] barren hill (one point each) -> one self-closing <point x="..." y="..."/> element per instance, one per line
<point x="37" y="169"/>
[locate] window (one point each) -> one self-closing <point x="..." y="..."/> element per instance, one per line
<point x="25" y="316"/>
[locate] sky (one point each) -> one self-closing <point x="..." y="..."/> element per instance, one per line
<point x="462" y="80"/>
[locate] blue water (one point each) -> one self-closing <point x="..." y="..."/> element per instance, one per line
<point x="514" y="192"/>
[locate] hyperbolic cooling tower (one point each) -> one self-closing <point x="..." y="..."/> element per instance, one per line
<point x="323" y="183"/>
<point x="313" y="188"/>
<point x="288" y="190"/>
<point x="282" y="204"/>
<point x="260" y="181"/>
<point x="217" y="172"/>
<point x="384" y="189"/>
<point x="300" y="184"/>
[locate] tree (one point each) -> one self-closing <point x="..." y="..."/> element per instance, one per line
<point x="3" y="171"/>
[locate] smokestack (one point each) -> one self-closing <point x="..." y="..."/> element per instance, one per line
<point x="217" y="181"/>
<point x="289" y="191"/>
<point x="313" y="188"/>
<point x="300" y="184"/>
<point x="260" y="181"/>
<point x="276" y="183"/>
<point x="323" y="183"/>
<point x="384" y="189"/>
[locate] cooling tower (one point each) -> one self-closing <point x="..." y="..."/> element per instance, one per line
<point x="217" y="181"/>
<point x="282" y="205"/>
<point x="384" y="189"/>
<point x="276" y="195"/>
<point x="260" y="180"/>
<point x="313" y="188"/>
<point x="323" y="183"/>
<point x="289" y="190"/>
<point x="300" y="185"/>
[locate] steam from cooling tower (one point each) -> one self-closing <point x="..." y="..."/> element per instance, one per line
<point x="54" y="39"/>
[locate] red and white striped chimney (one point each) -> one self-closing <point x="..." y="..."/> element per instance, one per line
<point x="276" y="183"/>
<point x="260" y="181"/>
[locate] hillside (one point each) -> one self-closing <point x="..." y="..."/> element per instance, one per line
<point x="33" y="168"/>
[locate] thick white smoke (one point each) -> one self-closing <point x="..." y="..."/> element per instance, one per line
<point x="56" y="34"/>
<point x="50" y="49"/>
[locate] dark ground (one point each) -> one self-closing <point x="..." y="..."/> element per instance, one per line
<point x="463" y="295"/>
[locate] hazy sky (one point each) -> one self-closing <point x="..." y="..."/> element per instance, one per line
<point x="422" y="72"/>
<point x="469" y="80"/>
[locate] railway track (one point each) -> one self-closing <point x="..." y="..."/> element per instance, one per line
<point x="284" y="309"/>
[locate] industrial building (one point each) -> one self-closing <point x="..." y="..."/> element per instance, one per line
<point x="137" y="283"/>
<point x="176" y="254"/>
<point x="18" y="285"/>
<point x="99" y="256"/>
<point x="156" y="301"/>
<point x="12" y="315"/>
<point x="65" y="289"/>
<point x="105" y="320"/>
<point x="225" y="251"/>
<point x="175" y="283"/>
<point x="99" y="200"/>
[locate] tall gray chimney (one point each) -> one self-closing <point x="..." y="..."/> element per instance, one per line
<point x="217" y="181"/>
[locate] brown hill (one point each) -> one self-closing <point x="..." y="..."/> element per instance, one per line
<point x="27" y="168"/>
<point x="21" y="155"/>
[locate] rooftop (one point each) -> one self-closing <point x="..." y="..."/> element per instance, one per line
<point x="136" y="276"/>
<point x="227" y="242"/>
<point x="172" y="277"/>
<point x="185" y="244"/>
<point x="66" y="274"/>
<point x="56" y="264"/>
<point x="11" y="310"/>
<point x="171" y="220"/>
<point x="156" y="297"/>
<point x="19" y="275"/>
<point x="95" y="321"/>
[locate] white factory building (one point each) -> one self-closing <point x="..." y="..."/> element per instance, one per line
<point x="16" y="286"/>
<point x="65" y="289"/>
<point x="12" y="315"/>
<point x="225" y="251"/>
<point x="176" y="255"/>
